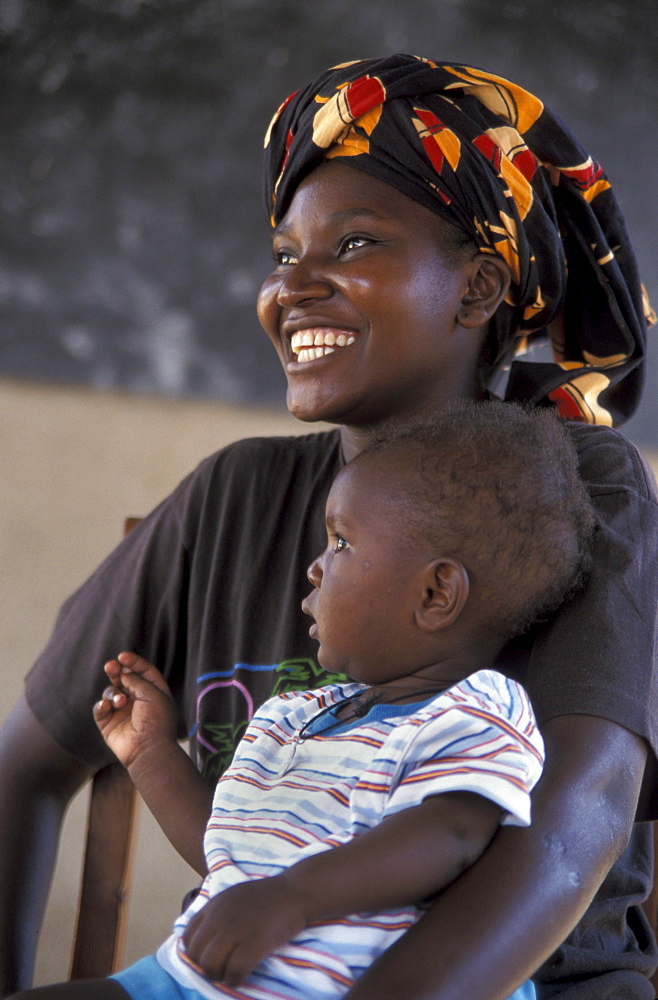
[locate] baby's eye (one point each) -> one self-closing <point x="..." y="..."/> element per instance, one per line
<point x="340" y="544"/>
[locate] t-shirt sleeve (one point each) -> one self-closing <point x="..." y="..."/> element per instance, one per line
<point x="599" y="654"/>
<point x="185" y="591"/>
<point x="484" y="741"/>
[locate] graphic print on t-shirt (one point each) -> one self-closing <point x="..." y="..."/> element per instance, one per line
<point x="226" y="701"/>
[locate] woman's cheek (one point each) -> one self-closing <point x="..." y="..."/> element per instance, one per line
<point x="268" y="308"/>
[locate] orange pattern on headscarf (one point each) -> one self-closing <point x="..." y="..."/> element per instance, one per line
<point x="504" y="98"/>
<point x="510" y="155"/>
<point x="587" y="177"/>
<point x="439" y="142"/>
<point x="503" y="239"/>
<point x="579" y="398"/>
<point x="350" y="104"/>
<point x="349" y="142"/>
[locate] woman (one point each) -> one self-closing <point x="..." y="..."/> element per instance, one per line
<point x="423" y="215"/>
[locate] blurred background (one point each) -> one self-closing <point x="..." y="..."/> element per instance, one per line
<point x="132" y="237"/>
<point x="133" y="242"/>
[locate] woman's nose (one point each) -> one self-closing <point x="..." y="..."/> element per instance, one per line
<point x="303" y="282"/>
<point x="314" y="572"/>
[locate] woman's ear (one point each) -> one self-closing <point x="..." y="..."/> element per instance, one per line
<point x="488" y="279"/>
<point x="445" y="592"/>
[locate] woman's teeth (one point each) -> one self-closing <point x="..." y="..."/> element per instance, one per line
<point x="307" y="345"/>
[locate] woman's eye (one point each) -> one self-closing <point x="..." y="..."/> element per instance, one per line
<point x="283" y="257"/>
<point x="340" y="544"/>
<point x="353" y="243"/>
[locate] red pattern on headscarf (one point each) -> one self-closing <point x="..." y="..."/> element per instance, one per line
<point x="489" y="156"/>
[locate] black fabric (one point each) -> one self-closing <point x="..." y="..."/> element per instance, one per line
<point x="599" y="958"/>
<point x="209" y="588"/>
<point x="614" y="620"/>
<point x="492" y="159"/>
<point x="206" y="597"/>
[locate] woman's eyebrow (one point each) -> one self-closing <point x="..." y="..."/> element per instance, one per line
<point x="344" y="215"/>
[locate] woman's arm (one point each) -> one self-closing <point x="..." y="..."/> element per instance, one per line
<point x="496" y="924"/>
<point x="37" y="780"/>
<point x="408" y="857"/>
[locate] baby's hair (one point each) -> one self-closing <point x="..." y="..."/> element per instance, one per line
<point x="496" y="486"/>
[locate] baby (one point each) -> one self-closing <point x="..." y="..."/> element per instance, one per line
<point x="345" y="809"/>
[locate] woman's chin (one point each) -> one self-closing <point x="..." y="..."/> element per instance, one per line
<point x="330" y="404"/>
<point x="311" y="409"/>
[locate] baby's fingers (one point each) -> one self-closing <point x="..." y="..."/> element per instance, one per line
<point x="135" y="688"/>
<point x="132" y="663"/>
<point x="116" y="696"/>
<point x="104" y="710"/>
<point x="113" y="670"/>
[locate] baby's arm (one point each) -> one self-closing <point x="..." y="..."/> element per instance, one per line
<point x="408" y="857"/>
<point x="137" y="719"/>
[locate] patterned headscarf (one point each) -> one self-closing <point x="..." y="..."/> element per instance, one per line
<point x="491" y="159"/>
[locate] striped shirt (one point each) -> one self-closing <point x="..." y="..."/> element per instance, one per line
<point x="284" y="799"/>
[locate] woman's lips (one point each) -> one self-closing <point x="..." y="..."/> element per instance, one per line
<point x="318" y="341"/>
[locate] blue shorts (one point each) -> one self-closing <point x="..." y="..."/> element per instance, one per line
<point x="525" y="992"/>
<point x="147" y="980"/>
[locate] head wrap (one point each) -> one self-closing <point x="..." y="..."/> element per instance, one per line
<point x="492" y="160"/>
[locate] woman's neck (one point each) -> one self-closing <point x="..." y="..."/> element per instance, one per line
<point x="354" y="440"/>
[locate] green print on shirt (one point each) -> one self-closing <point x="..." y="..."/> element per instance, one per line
<point x="297" y="674"/>
<point x="301" y="674"/>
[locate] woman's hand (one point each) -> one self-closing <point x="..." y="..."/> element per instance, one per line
<point x="137" y="710"/>
<point x="242" y="925"/>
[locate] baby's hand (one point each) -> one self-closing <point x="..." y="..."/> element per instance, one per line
<point x="137" y="710"/>
<point x="240" y="926"/>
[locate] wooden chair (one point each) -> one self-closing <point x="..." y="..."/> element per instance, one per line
<point x="104" y="891"/>
<point x="103" y="907"/>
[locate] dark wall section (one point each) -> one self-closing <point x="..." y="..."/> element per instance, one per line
<point x="132" y="239"/>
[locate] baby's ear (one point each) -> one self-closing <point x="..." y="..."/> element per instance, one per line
<point x="445" y="592"/>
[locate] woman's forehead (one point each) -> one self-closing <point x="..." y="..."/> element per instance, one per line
<point x="338" y="192"/>
<point x="343" y="181"/>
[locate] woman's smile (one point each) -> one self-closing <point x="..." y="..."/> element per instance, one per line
<point x="362" y="304"/>
<point x="317" y="342"/>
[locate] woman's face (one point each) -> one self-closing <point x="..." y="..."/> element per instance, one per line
<point x="362" y="303"/>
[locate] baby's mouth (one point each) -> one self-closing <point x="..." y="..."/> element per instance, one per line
<point x="316" y="342"/>
<point x="313" y="628"/>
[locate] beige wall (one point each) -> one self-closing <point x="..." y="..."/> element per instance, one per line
<point x="73" y="464"/>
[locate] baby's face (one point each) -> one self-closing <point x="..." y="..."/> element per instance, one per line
<point x="366" y="581"/>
